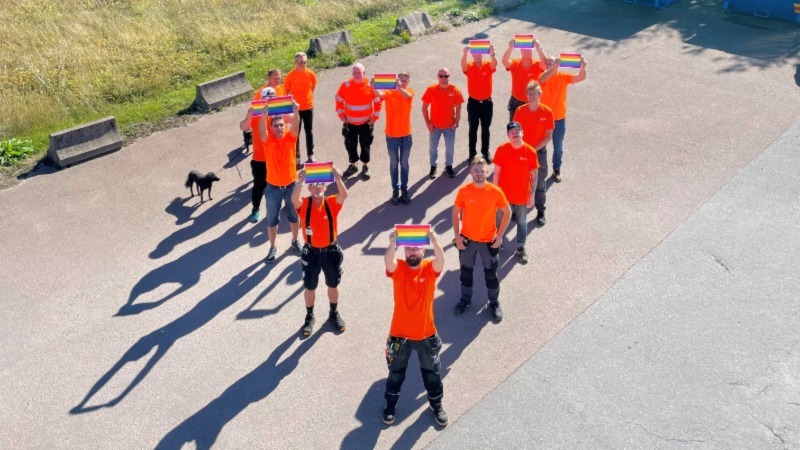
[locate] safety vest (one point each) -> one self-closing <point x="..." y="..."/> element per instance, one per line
<point x="356" y="103"/>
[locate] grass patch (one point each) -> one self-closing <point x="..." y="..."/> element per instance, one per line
<point x="66" y="63"/>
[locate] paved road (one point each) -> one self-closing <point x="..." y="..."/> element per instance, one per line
<point x="135" y="318"/>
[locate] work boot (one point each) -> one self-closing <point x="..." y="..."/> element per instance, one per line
<point x="337" y="321"/>
<point x="461" y="307"/>
<point x="497" y="312"/>
<point x="522" y="255"/>
<point x="352" y="169"/>
<point x="432" y="175"/>
<point x="487" y="158"/>
<point x="449" y="170"/>
<point x="540" y="220"/>
<point x="405" y="198"/>
<point x="365" y="172"/>
<point x="388" y="412"/>
<point x="395" y="197"/>
<point x="308" y="325"/>
<point x="439" y="414"/>
<point x="557" y="175"/>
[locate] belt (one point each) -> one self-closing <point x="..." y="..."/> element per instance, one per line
<point x="334" y="246"/>
<point x="281" y="187"/>
<point x="481" y="101"/>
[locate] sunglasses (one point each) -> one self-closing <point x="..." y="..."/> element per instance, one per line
<point x="444" y="76"/>
<point x="301" y="62"/>
<point x="317" y="185"/>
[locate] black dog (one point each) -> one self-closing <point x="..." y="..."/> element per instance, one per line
<point x="203" y="182"/>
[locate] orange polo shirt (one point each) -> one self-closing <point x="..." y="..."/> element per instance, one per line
<point x="300" y="84"/>
<point x="413" y="300"/>
<point x="398" y="113"/>
<point x="521" y="76"/>
<point x="479" y="80"/>
<point x="320" y="232"/>
<point x="554" y="94"/>
<point x="479" y="207"/>
<point x="443" y="104"/>
<point x="515" y="166"/>
<point x="281" y="159"/>
<point x="535" y="124"/>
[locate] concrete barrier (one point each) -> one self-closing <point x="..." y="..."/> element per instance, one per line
<point x="77" y="144"/>
<point x="329" y="42"/>
<point x="222" y="91"/>
<point x="415" y="23"/>
<point x="502" y="5"/>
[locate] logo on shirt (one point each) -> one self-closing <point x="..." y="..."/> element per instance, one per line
<point x="421" y="280"/>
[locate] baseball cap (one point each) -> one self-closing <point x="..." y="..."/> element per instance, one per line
<point x="513" y="125"/>
<point x="268" y="92"/>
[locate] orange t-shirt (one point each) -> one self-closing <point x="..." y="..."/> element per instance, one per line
<point x="479" y="207"/>
<point x="554" y="94"/>
<point x="521" y="76"/>
<point x="320" y="232"/>
<point x="281" y="159"/>
<point x="258" y="144"/>
<point x="413" y="300"/>
<point x="479" y="80"/>
<point x="535" y="124"/>
<point x="398" y="113"/>
<point x="443" y="104"/>
<point x="515" y="166"/>
<point x="279" y="91"/>
<point x="301" y="85"/>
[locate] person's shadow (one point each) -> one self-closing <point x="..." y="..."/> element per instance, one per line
<point x="204" y="426"/>
<point x="162" y="339"/>
<point x="292" y="274"/>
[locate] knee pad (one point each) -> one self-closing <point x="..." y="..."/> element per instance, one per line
<point x="492" y="282"/>
<point x="466" y="276"/>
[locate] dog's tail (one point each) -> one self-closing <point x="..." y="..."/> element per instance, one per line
<point x="189" y="181"/>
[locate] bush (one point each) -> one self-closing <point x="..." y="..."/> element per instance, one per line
<point x="14" y="150"/>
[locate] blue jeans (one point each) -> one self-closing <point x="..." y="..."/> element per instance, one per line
<point x="519" y="215"/>
<point x="558" y="142"/>
<point x="274" y="196"/>
<point x="399" y="149"/>
<point x="449" y="145"/>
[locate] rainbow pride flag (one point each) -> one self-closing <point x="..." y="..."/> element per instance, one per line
<point x="412" y="235"/>
<point x="258" y="107"/>
<point x="319" y="172"/>
<point x="797" y="8"/>
<point x="385" y="81"/>
<point x="280" y="105"/>
<point x="523" y="41"/>
<point x="479" y="46"/>
<point x="570" y="62"/>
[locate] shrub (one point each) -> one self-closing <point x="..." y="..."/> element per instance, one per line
<point x="13" y="150"/>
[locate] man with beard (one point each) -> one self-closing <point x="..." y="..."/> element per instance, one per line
<point x="476" y="231"/>
<point x="319" y="219"/>
<point x="413" y="326"/>
<point x="358" y="106"/>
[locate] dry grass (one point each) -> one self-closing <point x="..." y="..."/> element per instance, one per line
<point x="62" y="61"/>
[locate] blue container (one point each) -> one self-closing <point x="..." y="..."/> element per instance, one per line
<point x="770" y="9"/>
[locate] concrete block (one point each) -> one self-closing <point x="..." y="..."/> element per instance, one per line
<point x="68" y="147"/>
<point x="415" y="23"/>
<point x="329" y="42"/>
<point x="502" y="5"/>
<point x="222" y="91"/>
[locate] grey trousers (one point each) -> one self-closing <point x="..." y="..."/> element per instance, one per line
<point x="541" y="181"/>
<point x="490" y="259"/>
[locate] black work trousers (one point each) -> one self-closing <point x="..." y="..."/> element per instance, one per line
<point x="398" y="352"/>
<point x="307" y="119"/>
<point x="479" y="112"/>
<point x="355" y="135"/>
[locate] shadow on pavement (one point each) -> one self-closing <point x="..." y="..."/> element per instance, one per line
<point x="292" y="274"/>
<point x="204" y="426"/>
<point x="162" y="339"/>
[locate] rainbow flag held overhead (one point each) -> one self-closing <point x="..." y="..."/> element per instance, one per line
<point x="479" y="46"/>
<point x="412" y="235"/>
<point x="258" y="107"/>
<point x="570" y="62"/>
<point x="523" y="41"/>
<point x="797" y="8"/>
<point x="277" y="106"/>
<point x="319" y="172"/>
<point x="385" y="81"/>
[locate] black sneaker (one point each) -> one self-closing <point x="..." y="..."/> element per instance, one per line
<point x="297" y="247"/>
<point x="522" y="255"/>
<point x="308" y="325"/>
<point x="487" y="158"/>
<point x="432" y="175"/>
<point x="470" y="158"/>
<point x="439" y="414"/>
<point x="311" y="159"/>
<point x="540" y="220"/>
<point x="337" y="321"/>
<point x="272" y="255"/>
<point x="497" y="312"/>
<point x="449" y="170"/>
<point x="395" y="197"/>
<point x="388" y="413"/>
<point x="365" y="172"/>
<point x="352" y="169"/>
<point x="557" y="175"/>
<point x="461" y="307"/>
<point x="405" y="198"/>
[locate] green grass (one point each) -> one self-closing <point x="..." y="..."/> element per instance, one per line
<point x="146" y="78"/>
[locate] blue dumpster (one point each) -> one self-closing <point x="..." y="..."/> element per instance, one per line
<point x="771" y="9"/>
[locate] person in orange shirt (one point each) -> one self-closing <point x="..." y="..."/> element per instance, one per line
<point x="515" y="164"/>
<point x="279" y="146"/>
<point x="398" y="135"/>
<point x="319" y="217"/>
<point x="476" y="231"/>
<point x="537" y="131"/>
<point x="300" y="83"/>
<point x="479" y="104"/>
<point x="258" y="163"/>
<point x="523" y="71"/>
<point x="445" y="102"/>
<point x="413" y="328"/>
<point x="358" y="106"/>
<point x="273" y="79"/>
<point x="554" y="95"/>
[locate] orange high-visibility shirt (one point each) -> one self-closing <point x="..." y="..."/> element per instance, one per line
<point x="356" y="103"/>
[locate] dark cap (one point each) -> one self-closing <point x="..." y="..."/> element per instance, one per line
<point x="513" y="125"/>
